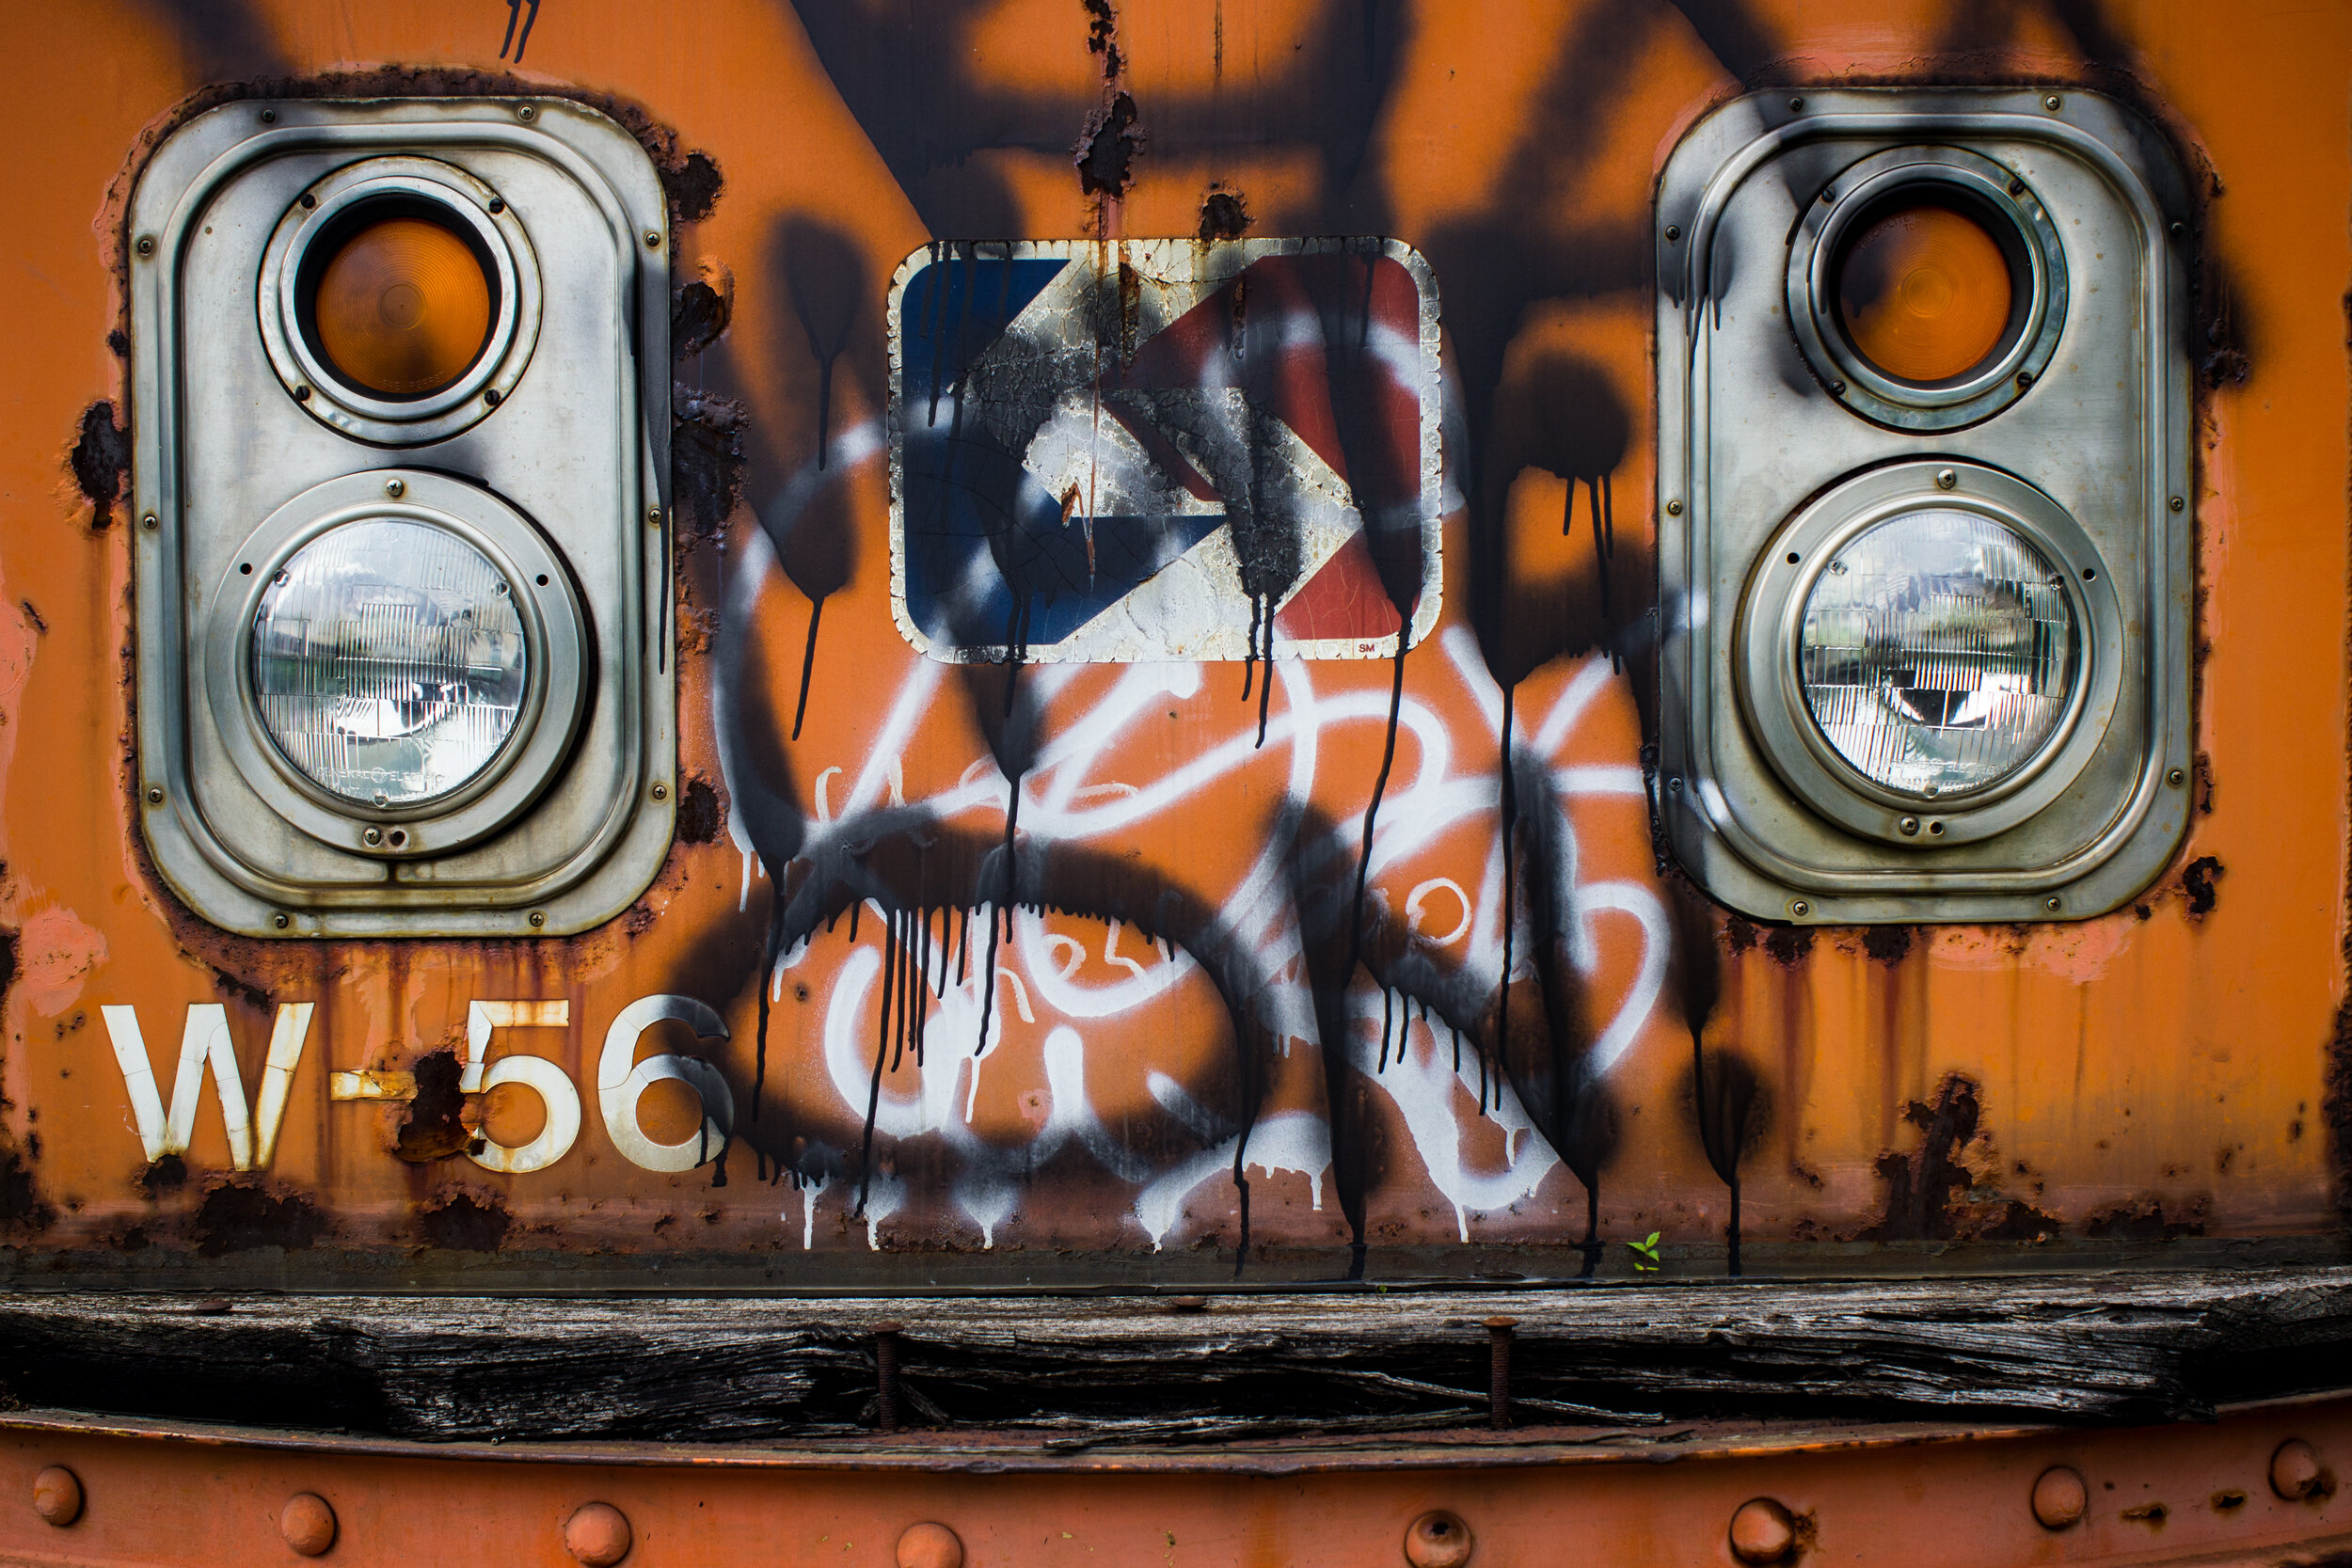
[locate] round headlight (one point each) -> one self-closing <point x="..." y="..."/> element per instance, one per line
<point x="403" y="306"/>
<point x="1939" y="651"/>
<point x="390" y="664"/>
<point x="1926" y="292"/>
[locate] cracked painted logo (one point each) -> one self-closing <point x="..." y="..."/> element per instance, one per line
<point x="1164" y="449"/>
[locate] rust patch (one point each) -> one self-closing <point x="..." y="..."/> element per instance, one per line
<point x="1787" y="945"/>
<point x="230" y="985"/>
<point x="22" y="1207"/>
<point x="699" y="818"/>
<point x="2151" y="1515"/>
<point x="167" y="1175"/>
<point x="706" y="459"/>
<point x="1889" y="945"/>
<point x="1224" y="214"/>
<point x="435" y="1128"/>
<point x="2227" y="1499"/>
<point x="2197" y="881"/>
<point x="693" y="184"/>
<point x="1106" y="151"/>
<point x="1921" y="1189"/>
<point x="100" y="458"/>
<point x="463" y="1223"/>
<point x="238" y="1216"/>
<point x="2145" y="1218"/>
<point x="698" y="316"/>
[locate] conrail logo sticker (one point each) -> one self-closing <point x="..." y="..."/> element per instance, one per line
<point x="1164" y="449"/>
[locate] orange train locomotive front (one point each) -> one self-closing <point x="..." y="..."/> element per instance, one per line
<point x="955" y="697"/>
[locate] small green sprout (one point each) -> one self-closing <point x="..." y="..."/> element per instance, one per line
<point x="1646" y="1254"/>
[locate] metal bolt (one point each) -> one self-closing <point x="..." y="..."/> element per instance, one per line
<point x="1909" y="827"/>
<point x="1798" y="908"/>
<point x="2176" y="503"/>
<point x="2295" y="1472"/>
<point x="269" y="117"/>
<point x="1437" y="1539"/>
<point x="598" y="1535"/>
<point x="155" y="795"/>
<point x="371" y="837"/>
<point x="1946" y="479"/>
<point x="146" y="246"/>
<point x="930" y="1546"/>
<point x="2059" y="1497"/>
<point x="281" y="921"/>
<point x="395" y="487"/>
<point x="538" y="918"/>
<point x="2176" y="778"/>
<point x="661" y="792"/>
<point x="492" y="396"/>
<point x="2050" y="102"/>
<point x="886" y="1376"/>
<point x="1674" y="509"/>
<point x="2051" y="904"/>
<point x="148" y="522"/>
<point x="307" y="1523"/>
<point x="1499" y="1372"/>
<point x="1796" y="104"/>
<point x="526" y="113"/>
<point x="1674" y="232"/>
<point x="653" y="239"/>
<point x="1761" y="1532"/>
<point x="58" y="1496"/>
<point x="653" y="516"/>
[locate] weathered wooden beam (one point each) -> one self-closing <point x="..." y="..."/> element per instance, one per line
<point x="1083" y="1369"/>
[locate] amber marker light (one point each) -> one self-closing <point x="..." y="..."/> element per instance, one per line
<point x="402" y="307"/>
<point x="1925" y="293"/>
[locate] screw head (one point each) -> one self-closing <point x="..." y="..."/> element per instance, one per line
<point x="1799" y="907"/>
<point x="1674" y="783"/>
<point x="526" y="113"/>
<point x="1674" y="232"/>
<point x="1838" y="389"/>
<point x="930" y="1546"/>
<point x="146" y="246"/>
<point x="661" y="792"/>
<point x="1908" y="826"/>
<point x="1796" y="105"/>
<point x="395" y="487"/>
<point x="653" y="516"/>
<point x="148" y="522"/>
<point x="1674" y="509"/>
<point x="307" y="1523"/>
<point x="597" y="1534"/>
<point x="155" y="795"/>
<point x="2176" y="778"/>
<point x="492" y="396"/>
<point x="2050" y="102"/>
<point x="2176" y="503"/>
<point x="538" y="918"/>
<point x="1761" y="1530"/>
<point x="1946" y="479"/>
<point x="497" y="205"/>
<point x="269" y="117"/>
<point x="2059" y="1497"/>
<point x="2051" y="904"/>
<point x="308" y="202"/>
<point x="302" y="394"/>
<point x="1439" y="1538"/>
<point x="281" y="921"/>
<point x="58" y="1496"/>
<point x="2025" y="378"/>
<point x="2016" y="186"/>
<point x="371" y="837"/>
<point x="653" y="239"/>
<point x="2295" y="1472"/>
<point x="2179" y="229"/>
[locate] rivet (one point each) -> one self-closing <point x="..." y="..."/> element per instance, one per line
<point x="597" y="1534"/>
<point x="1796" y="104"/>
<point x="2052" y="905"/>
<point x="1761" y="1532"/>
<point x="661" y="792"/>
<point x="538" y="918"/>
<point x="1499" y="1333"/>
<point x="1798" y="908"/>
<point x="2050" y="102"/>
<point x="2176" y="778"/>
<point x="281" y="921"/>
<point x="307" y="1524"/>
<point x="1946" y="479"/>
<point x="2295" y="1472"/>
<point x="269" y="117"/>
<point x="2179" y="230"/>
<point x="2176" y="503"/>
<point x="148" y="522"/>
<point x="492" y="396"/>
<point x="371" y="837"/>
<point x="2059" y="1497"/>
<point x="1908" y="826"/>
<point x="395" y="487"/>
<point x="526" y="113"/>
<point x="930" y="1546"/>
<point x="653" y="239"/>
<point x="497" y="205"/>
<point x="146" y="246"/>
<point x="155" y="795"/>
<point x="58" y="1496"/>
<point x="1674" y="509"/>
<point x="886" y="1375"/>
<point x="1674" y="232"/>
<point x="1437" y="1539"/>
<point x="1188" y="1304"/>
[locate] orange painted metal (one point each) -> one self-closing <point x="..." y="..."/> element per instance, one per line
<point x="1934" y="1497"/>
<point x="2157" y="1073"/>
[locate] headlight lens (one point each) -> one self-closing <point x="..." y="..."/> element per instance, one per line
<point x="1925" y="293"/>
<point x="388" y="661"/>
<point x="1939" y="652"/>
<point x="404" y="306"/>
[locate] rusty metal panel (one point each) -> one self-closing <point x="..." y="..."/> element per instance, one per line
<point x="1196" y="1059"/>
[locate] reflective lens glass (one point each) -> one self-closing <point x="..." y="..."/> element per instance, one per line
<point x="1925" y="293"/>
<point x="388" y="661"/>
<point x="402" y="307"/>
<point x="1939" y="652"/>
